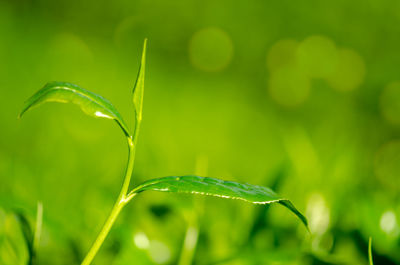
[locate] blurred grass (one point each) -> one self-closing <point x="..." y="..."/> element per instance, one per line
<point x="331" y="145"/>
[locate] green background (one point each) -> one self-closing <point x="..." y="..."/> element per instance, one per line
<point x="300" y="96"/>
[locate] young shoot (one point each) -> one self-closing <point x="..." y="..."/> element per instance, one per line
<point x="97" y="106"/>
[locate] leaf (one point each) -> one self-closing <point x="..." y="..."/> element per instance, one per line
<point x="91" y="103"/>
<point x="26" y="230"/>
<point x="219" y="188"/>
<point x="139" y="86"/>
<point x="31" y="237"/>
<point x="14" y="240"/>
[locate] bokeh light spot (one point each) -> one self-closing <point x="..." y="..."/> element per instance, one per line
<point x="289" y="86"/>
<point x="387" y="164"/>
<point x="388" y="223"/>
<point x="390" y="103"/>
<point x="159" y="252"/>
<point x="70" y="48"/>
<point x="141" y="241"/>
<point x="128" y="32"/>
<point x="68" y="55"/>
<point x="210" y="49"/>
<point x="349" y="72"/>
<point x="281" y="54"/>
<point x="317" y="55"/>
<point x="318" y="213"/>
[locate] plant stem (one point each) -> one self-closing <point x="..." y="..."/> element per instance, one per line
<point x="123" y="199"/>
<point x="103" y="234"/>
<point x="189" y="244"/>
<point x="119" y="204"/>
<point x="129" y="169"/>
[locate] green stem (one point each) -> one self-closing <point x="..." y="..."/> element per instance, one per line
<point x="103" y="234"/>
<point x="119" y="204"/>
<point x="123" y="199"/>
<point x="189" y="245"/>
<point x="129" y="169"/>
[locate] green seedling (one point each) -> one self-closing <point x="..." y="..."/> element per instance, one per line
<point x="97" y="106"/>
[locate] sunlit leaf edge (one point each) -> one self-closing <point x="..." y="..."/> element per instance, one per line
<point x="218" y="188"/>
<point x="77" y="93"/>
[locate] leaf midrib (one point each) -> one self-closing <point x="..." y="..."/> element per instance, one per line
<point x="96" y="102"/>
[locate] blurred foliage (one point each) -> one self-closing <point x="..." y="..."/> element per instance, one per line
<point x="300" y="96"/>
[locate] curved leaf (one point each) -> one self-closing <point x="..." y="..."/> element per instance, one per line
<point x="91" y="103"/>
<point x="219" y="188"/>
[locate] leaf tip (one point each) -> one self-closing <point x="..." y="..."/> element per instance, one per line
<point x="144" y="53"/>
<point x="143" y="61"/>
<point x="21" y="113"/>
<point x="141" y="66"/>
<point x="291" y="207"/>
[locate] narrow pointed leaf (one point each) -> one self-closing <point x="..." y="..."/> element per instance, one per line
<point x="139" y="86"/>
<point x="219" y="188"/>
<point x="90" y="103"/>
<point x="26" y="232"/>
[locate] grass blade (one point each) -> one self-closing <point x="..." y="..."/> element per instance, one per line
<point x="28" y="235"/>
<point x="90" y="103"/>
<point x="370" y="251"/>
<point x="38" y="227"/>
<point x="219" y="188"/>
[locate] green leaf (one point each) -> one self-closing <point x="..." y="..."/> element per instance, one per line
<point x="14" y="240"/>
<point x="139" y="86"/>
<point x="219" y="188"/>
<point x="26" y="230"/>
<point x="91" y="103"/>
